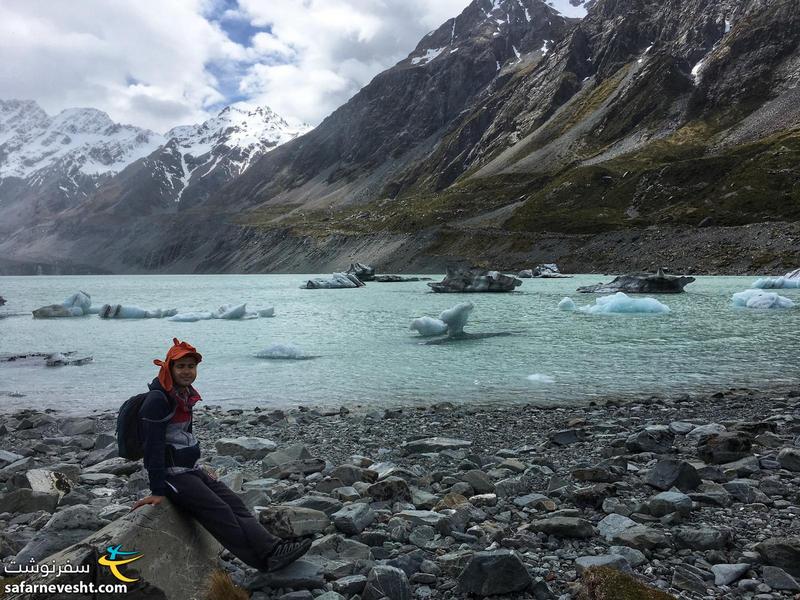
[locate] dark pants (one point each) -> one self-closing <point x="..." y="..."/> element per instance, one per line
<point x="223" y="514"/>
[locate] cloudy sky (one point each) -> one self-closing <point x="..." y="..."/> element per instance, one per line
<point x="161" y="63"/>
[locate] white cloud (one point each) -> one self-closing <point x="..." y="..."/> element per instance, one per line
<point x="159" y="63"/>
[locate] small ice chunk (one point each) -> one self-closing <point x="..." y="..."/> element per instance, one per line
<point x="456" y="318"/>
<point x="621" y="303"/>
<point x="267" y="312"/>
<point x="428" y="326"/>
<point x="281" y="351"/>
<point x="191" y="317"/>
<point x="231" y="311"/>
<point x="123" y="311"/>
<point x="80" y="300"/>
<point x="760" y="299"/>
<point x="776" y="283"/>
<point x="541" y="378"/>
<point x="567" y="304"/>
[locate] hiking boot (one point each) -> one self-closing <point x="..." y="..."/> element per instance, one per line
<point x="286" y="552"/>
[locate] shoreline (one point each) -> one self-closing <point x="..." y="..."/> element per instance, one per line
<point x="554" y="484"/>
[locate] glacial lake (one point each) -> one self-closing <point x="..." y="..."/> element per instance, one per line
<point x="366" y="354"/>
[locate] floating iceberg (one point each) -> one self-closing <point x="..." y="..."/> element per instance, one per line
<point x="123" y="311"/>
<point x="282" y="351"/>
<point x="776" y="283"/>
<point x="567" y="304"/>
<point x="541" y="378"/>
<point x="456" y="318"/>
<point x="335" y="281"/>
<point x="760" y="300"/>
<point x="77" y="305"/>
<point x="428" y="326"/>
<point x="621" y="303"/>
<point x="191" y="317"/>
<point x="267" y="312"/>
<point x="231" y="311"/>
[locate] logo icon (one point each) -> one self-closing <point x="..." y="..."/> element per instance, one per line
<point x="111" y="561"/>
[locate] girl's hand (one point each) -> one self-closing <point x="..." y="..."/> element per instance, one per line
<point x="147" y="500"/>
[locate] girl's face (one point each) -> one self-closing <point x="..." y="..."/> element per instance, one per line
<point x="184" y="371"/>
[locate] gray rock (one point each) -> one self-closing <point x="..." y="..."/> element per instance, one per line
<point x="386" y="582"/>
<point x="570" y="527"/>
<point x="669" y="502"/>
<point x="494" y="572"/>
<point x="66" y="527"/>
<point x="778" y="579"/>
<point x="346" y="494"/>
<point x="77" y="426"/>
<point x="634" y="557"/>
<point x="515" y="486"/>
<point x="698" y="434"/>
<point x="164" y="536"/>
<point x="296" y="467"/>
<point x="727" y="574"/>
<point x="480" y="481"/>
<point x="669" y="473"/>
<point x="537" y="501"/>
<point x="434" y="444"/>
<point x="725" y="447"/>
<point x="681" y="427"/>
<point x="335" y="546"/>
<point x="323" y="503"/>
<point x="789" y="458"/>
<point x="6" y="458"/>
<point x="392" y="489"/>
<point x="703" y="538"/>
<point x="685" y="579"/>
<point x="746" y="491"/>
<point x="742" y="468"/>
<point x="655" y="438"/>
<point x="595" y="474"/>
<point x="25" y="500"/>
<point x="439" y="521"/>
<point x="641" y="537"/>
<point x="115" y="466"/>
<point x="353" y="518"/>
<point x="301" y="574"/>
<point x="49" y="482"/>
<point x="614" y="561"/>
<point x="292" y="521"/>
<point x="712" y="493"/>
<point x="781" y="552"/>
<point x="350" y="585"/>
<point x="566" y="437"/>
<point x="18" y="466"/>
<point x="248" y="448"/>
<point x="613" y="525"/>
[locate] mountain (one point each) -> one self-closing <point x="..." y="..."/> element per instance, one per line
<point x="48" y="164"/>
<point x="649" y="133"/>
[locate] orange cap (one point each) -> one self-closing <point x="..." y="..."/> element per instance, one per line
<point x="178" y="351"/>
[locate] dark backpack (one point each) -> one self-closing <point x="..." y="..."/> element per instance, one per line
<point x="129" y="428"/>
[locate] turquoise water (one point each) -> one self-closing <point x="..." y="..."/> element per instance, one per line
<point x="367" y="355"/>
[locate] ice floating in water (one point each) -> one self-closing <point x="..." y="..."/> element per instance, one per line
<point x="456" y="318"/>
<point x="541" y="378"/>
<point x="776" y="283"/>
<point x="191" y="317"/>
<point x="282" y="351"/>
<point x="76" y="305"/>
<point x="122" y="311"/>
<point x="760" y="299"/>
<point x="567" y="304"/>
<point x="231" y="311"/>
<point x="335" y="281"/>
<point x="267" y="312"/>
<point x="428" y="326"/>
<point x="621" y="303"/>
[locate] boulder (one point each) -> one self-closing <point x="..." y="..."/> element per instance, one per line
<point x="248" y="448"/>
<point x="66" y="527"/>
<point x="725" y="447"/>
<point x="353" y="518"/>
<point x="570" y="527"/>
<point x="163" y="536"/>
<point x="669" y="502"/>
<point x="459" y="280"/>
<point x="670" y="473"/>
<point x="641" y="537"/>
<point x="778" y="579"/>
<point x="292" y="521"/>
<point x="640" y="283"/>
<point x="612" y="525"/>
<point x="386" y="582"/>
<point x="727" y="574"/>
<point x="655" y="438"/>
<point x="434" y="444"/>
<point x="703" y="538"/>
<point x="613" y="561"/>
<point x="392" y="489"/>
<point x="25" y="500"/>
<point x="789" y="459"/>
<point x="783" y="552"/>
<point x="494" y="572"/>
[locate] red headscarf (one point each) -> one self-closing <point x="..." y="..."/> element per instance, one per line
<point x="178" y="351"/>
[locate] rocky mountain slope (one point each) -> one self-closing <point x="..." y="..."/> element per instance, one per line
<point x="514" y="127"/>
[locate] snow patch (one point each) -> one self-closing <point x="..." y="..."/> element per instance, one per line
<point x="429" y="55"/>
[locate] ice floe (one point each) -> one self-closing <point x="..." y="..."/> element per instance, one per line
<point x="619" y="303"/>
<point x="126" y="311"/>
<point x="456" y="318"/>
<point x="789" y="281"/>
<point x="335" y="281"/>
<point x="428" y="326"/>
<point x="760" y="299"/>
<point x="77" y="305"/>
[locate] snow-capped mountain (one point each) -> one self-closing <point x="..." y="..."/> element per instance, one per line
<point x="48" y="164"/>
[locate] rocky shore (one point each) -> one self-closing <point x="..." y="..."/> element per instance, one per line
<point x="698" y="497"/>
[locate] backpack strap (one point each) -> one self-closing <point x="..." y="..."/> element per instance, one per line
<point x="169" y="416"/>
